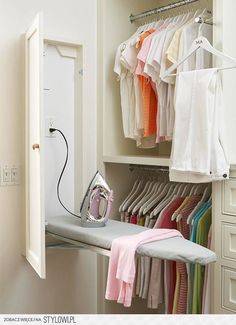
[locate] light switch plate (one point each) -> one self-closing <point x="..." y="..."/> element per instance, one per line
<point x="10" y="175"/>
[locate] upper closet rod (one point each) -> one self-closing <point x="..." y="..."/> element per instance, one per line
<point x="160" y="9"/>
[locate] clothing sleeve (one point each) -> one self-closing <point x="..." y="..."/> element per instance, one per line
<point x="117" y="66"/>
<point x="129" y="57"/>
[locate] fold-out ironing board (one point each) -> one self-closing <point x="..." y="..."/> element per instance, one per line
<point x="99" y="240"/>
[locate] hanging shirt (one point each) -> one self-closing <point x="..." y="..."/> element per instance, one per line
<point x="122" y="73"/>
<point x="148" y="94"/>
<point x="202" y="239"/>
<point x="206" y="296"/>
<point x="164" y="221"/>
<point x="205" y="207"/>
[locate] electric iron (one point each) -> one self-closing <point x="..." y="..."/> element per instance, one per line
<point x="96" y="204"/>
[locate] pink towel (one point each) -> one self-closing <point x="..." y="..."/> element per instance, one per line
<point x="121" y="271"/>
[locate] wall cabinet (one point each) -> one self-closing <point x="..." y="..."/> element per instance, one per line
<point x="53" y="86"/>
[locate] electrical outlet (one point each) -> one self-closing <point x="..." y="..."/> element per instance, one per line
<point x="50" y="122"/>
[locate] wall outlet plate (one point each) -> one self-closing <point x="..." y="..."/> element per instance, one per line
<point x="50" y="122"/>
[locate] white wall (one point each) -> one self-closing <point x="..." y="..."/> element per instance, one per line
<point x="71" y="276"/>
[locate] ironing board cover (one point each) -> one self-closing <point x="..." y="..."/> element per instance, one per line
<point x="176" y="248"/>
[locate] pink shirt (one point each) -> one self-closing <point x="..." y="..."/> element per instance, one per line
<point x="143" y="54"/>
<point x="121" y="270"/>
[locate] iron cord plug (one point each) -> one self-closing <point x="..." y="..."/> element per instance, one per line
<point x="52" y="130"/>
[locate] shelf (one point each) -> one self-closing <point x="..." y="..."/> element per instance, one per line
<point x="138" y="160"/>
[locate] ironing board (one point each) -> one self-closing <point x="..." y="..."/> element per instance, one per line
<point x="67" y="229"/>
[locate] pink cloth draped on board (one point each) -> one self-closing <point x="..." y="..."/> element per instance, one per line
<point x="121" y="270"/>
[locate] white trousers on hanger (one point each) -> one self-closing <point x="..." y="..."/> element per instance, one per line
<point x="198" y="149"/>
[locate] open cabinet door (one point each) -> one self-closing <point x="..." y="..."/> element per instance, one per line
<point x="35" y="215"/>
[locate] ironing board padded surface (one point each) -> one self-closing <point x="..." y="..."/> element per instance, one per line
<point x="175" y="248"/>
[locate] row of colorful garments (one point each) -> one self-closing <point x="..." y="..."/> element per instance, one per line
<point x="147" y="99"/>
<point x="182" y="288"/>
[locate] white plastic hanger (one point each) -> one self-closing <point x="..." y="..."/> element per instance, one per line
<point x="201" y="42"/>
<point x="145" y="206"/>
<point x="160" y="190"/>
<point x="133" y="193"/>
<point x="188" y="16"/>
<point x="137" y="188"/>
<point x="193" y="212"/>
<point x="145" y="191"/>
<point x="194" y="186"/>
<point x="158" y="198"/>
<point x="199" y="189"/>
<point x="130" y="193"/>
<point x="187" y="190"/>
<point x="207" y="193"/>
<point x="166" y="200"/>
<point x="158" y="23"/>
<point x="180" y="189"/>
<point x="154" y="193"/>
<point x="206" y="196"/>
<point x="199" y="12"/>
<point x="204" y="16"/>
<point x="145" y="198"/>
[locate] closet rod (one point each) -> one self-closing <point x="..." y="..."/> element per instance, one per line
<point x="160" y="9"/>
<point x="149" y="168"/>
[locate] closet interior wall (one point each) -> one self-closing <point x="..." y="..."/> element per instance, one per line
<point x="115" y="153"/>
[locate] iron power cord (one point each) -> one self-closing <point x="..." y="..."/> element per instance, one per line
<point x="62" y="172"/>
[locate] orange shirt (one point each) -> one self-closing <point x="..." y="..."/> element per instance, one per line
<point x="149" y="97"/>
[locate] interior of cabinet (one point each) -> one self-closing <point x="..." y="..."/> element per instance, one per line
<point x="62" y="110"/>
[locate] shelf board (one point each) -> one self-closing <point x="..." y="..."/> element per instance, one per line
<point x="138" y="160"/>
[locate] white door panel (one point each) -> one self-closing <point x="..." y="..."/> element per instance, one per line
<point x="35" y="218"/>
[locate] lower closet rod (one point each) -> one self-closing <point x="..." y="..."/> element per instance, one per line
<point x="149" y="168"/>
